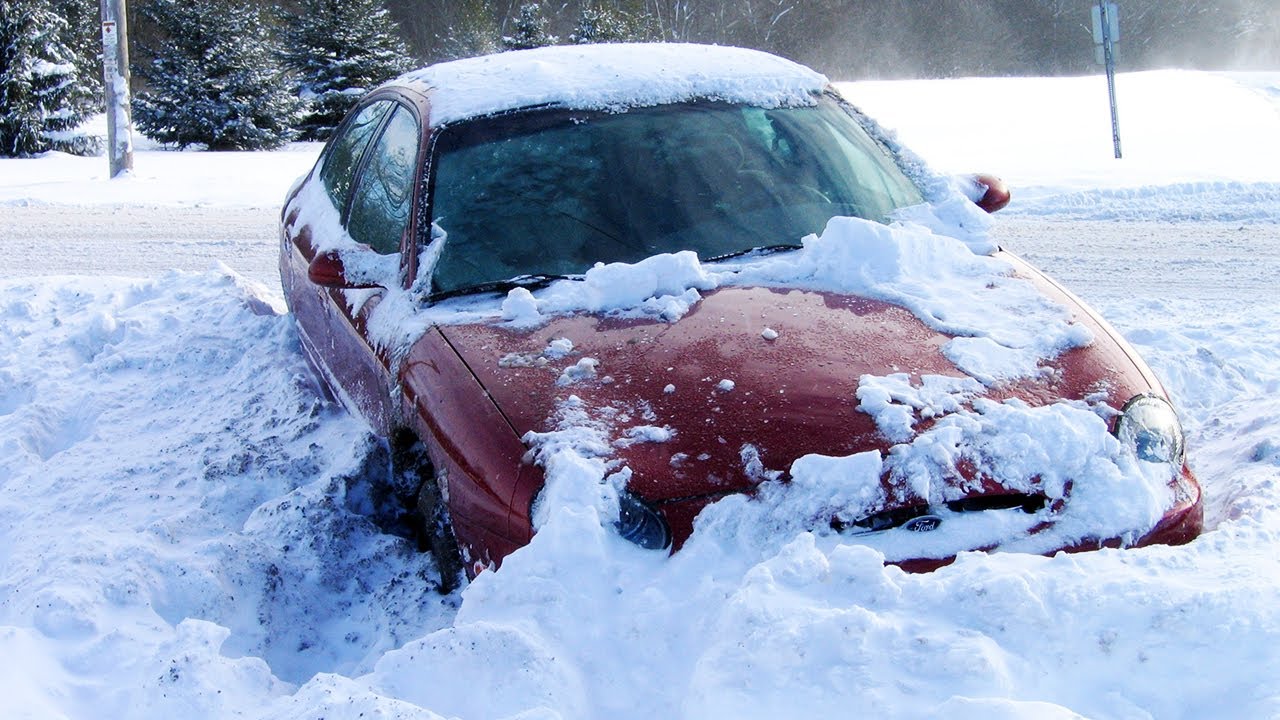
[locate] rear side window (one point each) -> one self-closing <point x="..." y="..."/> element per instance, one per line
<point x="382" y="199"/>
<point x="345" y="151"/>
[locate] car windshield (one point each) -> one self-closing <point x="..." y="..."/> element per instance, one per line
<point x="552" y="192"/>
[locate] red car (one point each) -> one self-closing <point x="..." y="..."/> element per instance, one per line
<point x="471" y="184"/>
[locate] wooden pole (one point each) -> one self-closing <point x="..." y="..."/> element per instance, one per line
<point x="115" y="85"/>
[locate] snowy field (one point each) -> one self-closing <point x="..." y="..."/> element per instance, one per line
<point x="185" y="523"/>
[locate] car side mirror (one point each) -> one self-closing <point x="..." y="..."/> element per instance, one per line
<point x="996" y="195"/>
<point x="326" y="269"/>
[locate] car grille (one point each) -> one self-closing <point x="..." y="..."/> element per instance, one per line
<point x="904" y="516"/>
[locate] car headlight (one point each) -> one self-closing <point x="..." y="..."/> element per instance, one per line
<point x="1149" y="426"/>
<point x="641" y="524"/>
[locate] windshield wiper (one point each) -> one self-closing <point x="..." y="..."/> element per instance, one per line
<point x="759" y="250"/>
<point x="529" y="282"/>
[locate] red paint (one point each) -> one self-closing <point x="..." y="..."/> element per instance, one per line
<point x="996" y="195"/>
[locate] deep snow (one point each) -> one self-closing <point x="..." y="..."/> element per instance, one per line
<point x="185" y="524"/>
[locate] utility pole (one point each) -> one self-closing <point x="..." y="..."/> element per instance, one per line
<point x="1106" y="33"/>
<point x="115" y="85"/>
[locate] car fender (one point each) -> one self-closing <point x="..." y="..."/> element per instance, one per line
<point x="473" y="444"/>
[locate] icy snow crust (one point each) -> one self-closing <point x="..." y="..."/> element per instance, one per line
<point x="612" y="77"/>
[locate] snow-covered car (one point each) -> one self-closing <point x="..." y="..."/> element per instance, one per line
<point x="698" y="276"/>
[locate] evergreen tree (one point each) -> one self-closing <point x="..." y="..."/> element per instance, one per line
<point x="339" y="50"/>
<point x="82" y="33"/>
<point x="471" y="29"/>
<point x="530" y="30"/>
<point x="602" y="23"/>
<point x="215" y="79"/>
<point x="42" y="100"/>
<point x="466" y="41"/>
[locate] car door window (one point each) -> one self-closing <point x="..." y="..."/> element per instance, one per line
<point x="384" y="193"/>
<point x="344" y="152"/>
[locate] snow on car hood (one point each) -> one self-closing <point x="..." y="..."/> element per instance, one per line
<point x="770" y="368"/>
<point x="1003" y="325"/>
<point x="682" y="379"/>
<point x="758" y="383"/>
<point x="612" y="77"/>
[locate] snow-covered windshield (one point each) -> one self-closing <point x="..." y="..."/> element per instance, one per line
<point x="553" y="192"/>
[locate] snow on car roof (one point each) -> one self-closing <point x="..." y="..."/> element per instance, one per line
<point x="611" y="77"/>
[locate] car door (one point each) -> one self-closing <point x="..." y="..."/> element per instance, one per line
<point x="368" y="174"/>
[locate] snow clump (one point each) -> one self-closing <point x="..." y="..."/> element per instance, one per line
<point x="571" y="77"/>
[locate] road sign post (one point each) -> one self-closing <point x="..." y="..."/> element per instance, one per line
<point x="1106" y="33"/>
<point x="115" y="85"/>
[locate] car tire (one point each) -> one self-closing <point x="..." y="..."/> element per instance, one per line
<point x="437" y="534"/>
<point x="430" y="516"/>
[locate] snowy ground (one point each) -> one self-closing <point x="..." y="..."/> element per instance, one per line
<point x="185" y="525"/>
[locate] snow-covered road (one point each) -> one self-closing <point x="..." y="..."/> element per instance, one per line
<point x="1224" y="265"/>
<point x="126" y="240"/>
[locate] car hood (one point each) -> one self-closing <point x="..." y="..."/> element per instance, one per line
<point x="751" y="379"/>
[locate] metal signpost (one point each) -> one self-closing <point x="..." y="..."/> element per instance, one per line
<point x="115" y="85"/>
<point x="1106" y="33"/>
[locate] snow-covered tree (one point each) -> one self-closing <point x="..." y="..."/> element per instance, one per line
<point x="468" y="30"/>
<point x="530" y="30"/>
<point x="215" y="79"/>
<point x="83" y="35"/>
<point x="339" y="50"/>
<point x="42" y="98"/>
<point x="604" y="23"/>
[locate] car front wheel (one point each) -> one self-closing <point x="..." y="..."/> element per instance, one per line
<point x="411" y="468"/>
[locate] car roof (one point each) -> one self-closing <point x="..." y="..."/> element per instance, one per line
<point x="610" y="77"/>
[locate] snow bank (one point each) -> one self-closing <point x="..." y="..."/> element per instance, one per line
<point x="158" y="178"/>
<point x="1208" y="201"/>
<point x="1196" y="145"/>
<point x="183" y="515"/>
<point x="166" y="552"/>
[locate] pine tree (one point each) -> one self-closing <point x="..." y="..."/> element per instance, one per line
<point x="471" y="29"/>
<point x="82" y="33"/>
<point x="530" y="30"/>
<point x="604" y="23"/>
<point x="42" y="100"/>
<point x="339" y="50"/>
<point x="215" y="79"/>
